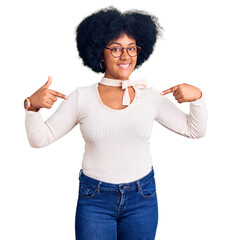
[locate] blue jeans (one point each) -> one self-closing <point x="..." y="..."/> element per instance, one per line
<point x="126" y="211"/>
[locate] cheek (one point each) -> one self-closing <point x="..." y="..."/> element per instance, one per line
<point x="134" y="61"/>
<point x="109" y="61"/>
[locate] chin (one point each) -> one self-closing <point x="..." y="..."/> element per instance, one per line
<point x="121" y="74"/>
<point x="124" y="76"/>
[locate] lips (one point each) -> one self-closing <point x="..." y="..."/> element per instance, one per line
<point x="124" y="65"/>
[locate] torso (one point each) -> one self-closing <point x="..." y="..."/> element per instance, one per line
<point x="112" y="96"/>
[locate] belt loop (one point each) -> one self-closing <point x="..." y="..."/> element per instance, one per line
<point x="138" y="185"/>
<point x="99" y="186"/>
<point x="80" y="172"/>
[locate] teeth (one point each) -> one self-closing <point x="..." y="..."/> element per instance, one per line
<point x="124" y="66"/>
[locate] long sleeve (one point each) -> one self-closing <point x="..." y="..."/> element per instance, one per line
<point x="66" y="117"/>
<point x="192" y="125"/>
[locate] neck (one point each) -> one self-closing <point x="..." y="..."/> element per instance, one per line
<point x="114" y="78"/>
<point x="111" y="84"/>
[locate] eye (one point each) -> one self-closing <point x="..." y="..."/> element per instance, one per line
<point x="132" y="49"/>
<point x="115" y="49"/>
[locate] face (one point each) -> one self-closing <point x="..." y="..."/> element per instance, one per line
<point x="120" y="67"/>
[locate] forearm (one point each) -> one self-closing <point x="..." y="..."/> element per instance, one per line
<point x="38" y="132"/>
<point x="192" y="125"/>
<point x="41" y="134"/>
<point x="196" y="124"/>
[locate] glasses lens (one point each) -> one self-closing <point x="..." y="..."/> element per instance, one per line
<point x="132" y="51"/>
<point x="116" y="51"/>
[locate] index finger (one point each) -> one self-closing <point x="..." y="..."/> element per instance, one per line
<point x="172" y="89"/>
<point x="57" y="94"/>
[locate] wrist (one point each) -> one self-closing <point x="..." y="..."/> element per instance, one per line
<point x="28" y="106"/>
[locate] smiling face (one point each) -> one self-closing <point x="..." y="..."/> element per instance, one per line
<point x="120" y="67"/>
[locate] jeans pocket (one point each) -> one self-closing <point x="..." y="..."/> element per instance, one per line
<point x="148" y="190"/>
<point x="86" y="190"/>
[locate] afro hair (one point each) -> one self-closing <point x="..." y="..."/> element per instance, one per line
<point x="95" y="32"/>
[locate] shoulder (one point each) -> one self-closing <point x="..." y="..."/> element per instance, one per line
<point x="154" y="91"/>
<point x="85" y="93"/>
<point x="156" y="96"/>
<point x="86" y="88"/>
<point x="79" y="96"/>
<point x="82" y="90"/>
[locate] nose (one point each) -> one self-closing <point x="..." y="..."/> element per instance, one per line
<point x="124" y="54"/>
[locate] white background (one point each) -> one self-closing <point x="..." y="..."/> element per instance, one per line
<point x="39" y="187"/>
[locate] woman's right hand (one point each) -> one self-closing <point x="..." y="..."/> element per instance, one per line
<point x="45" y="97"/>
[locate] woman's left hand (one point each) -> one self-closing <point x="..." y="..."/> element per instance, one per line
<point x="184" y="92"/>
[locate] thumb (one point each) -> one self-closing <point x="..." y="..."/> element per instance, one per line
<point x="48" y="83"/>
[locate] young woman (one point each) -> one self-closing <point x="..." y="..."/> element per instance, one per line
<point x="117" y="191"/>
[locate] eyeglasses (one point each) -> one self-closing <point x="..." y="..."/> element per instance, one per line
<point x="118" y="51"/>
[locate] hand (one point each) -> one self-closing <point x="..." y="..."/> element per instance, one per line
<point x="44" y="97"/>
<point x="184" y="92"/>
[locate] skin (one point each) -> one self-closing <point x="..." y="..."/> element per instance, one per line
<point x="110" y="95"/>
<point x="184" y="93"/>
<point x="112" y="64"/>
<point x="45" y="97"/>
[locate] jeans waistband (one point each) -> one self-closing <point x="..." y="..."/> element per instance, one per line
<point x="137" y="183"/>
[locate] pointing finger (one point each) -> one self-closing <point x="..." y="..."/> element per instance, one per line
<point x="57" y="94"/>
<point x="172" y="89"/>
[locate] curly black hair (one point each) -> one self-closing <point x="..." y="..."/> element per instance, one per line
<point x="95" y="32"/>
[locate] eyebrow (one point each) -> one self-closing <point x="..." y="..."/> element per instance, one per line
<point x="120" y="44"/>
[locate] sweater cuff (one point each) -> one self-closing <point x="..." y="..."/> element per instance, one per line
<point x="198" y="101"/>
<point x="32" y="113"/>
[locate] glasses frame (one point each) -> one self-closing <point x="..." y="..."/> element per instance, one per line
<point x="138" y="50"/>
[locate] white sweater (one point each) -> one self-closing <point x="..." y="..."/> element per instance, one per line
<point x="116" y="141"/>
